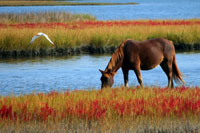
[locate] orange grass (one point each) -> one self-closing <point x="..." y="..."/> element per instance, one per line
<point x="97" y="34"/>
<point x="115" y="103"/>
<point x="103" y="109"/>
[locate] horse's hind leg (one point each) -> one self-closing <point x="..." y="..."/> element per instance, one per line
<point x="139" y="76"/>
<point x="125" y="73"/>
<point x="167" y="68"/>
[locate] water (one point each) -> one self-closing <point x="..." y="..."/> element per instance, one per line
<point x="146" y="9"/>
<point x="23" y="76"/>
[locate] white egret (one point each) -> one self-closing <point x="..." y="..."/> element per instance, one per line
<point x="40" y="34"/>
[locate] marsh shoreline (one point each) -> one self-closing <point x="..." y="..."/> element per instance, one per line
<point x="82" y="50"/>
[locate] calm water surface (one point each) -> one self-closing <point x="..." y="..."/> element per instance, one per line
<point x="22" y="76"/>
<point x="146" y="9"/>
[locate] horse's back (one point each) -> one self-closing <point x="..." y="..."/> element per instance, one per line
<point x="149" y="53"/>
<point x="153" y="45"/>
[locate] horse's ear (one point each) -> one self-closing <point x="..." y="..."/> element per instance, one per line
<point x="104" y="73"/>
<point x="101" y="71"/>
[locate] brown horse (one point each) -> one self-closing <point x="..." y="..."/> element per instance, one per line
<point x="142" y="55"/>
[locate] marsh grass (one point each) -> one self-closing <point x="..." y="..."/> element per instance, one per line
<point x="80" y="37"/>
<point x="142" y="126"/>
<point x="43" y="17"/>
<point x="80" y="111"/>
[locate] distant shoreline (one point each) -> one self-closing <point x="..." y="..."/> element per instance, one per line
<point x="56" y="3"/>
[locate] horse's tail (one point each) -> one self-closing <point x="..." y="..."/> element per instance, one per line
<point x="177" y="76"/>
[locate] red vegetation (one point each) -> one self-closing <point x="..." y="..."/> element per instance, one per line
<point x="88" y="24"/>
<point x="7" y="113"/>
<point x="164" y="102"/>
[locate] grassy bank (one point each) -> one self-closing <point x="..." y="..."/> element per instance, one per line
<point x="110" y="110"/>
<point x="53" y="3"/>
<point x="94" y="36"/>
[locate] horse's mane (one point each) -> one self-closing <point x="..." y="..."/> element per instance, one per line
<point x="116" y="59"/>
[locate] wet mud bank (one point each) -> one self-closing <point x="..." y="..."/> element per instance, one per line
<point x="83" y="50"/>
<point x="58" y="52"/>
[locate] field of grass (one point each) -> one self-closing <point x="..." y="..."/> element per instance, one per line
<point x="137" y="109"/>
<point x="93" y="36"/>
<point x="52" y="3"/>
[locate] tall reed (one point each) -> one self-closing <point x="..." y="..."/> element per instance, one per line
<point x="43" y="17"/>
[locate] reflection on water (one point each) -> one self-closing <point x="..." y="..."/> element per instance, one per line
<point x="20" y="76"/>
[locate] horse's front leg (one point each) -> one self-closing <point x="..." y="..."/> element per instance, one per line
<point x="138" y="75"/>
<point x="125" y="73"/>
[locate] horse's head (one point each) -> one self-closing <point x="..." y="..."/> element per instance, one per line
<point x="106" y="78"/>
